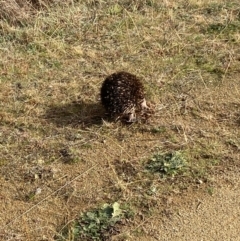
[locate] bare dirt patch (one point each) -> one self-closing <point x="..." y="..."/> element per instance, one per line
<point x="201" y="216"/>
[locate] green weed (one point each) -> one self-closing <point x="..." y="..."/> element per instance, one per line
<point x="98" y="224"/>
<point x="168" y="164"/>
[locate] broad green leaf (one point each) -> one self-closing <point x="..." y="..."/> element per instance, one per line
<point x="116" y="210"/>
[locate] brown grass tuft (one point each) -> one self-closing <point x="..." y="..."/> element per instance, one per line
<point x="21" y="11"/>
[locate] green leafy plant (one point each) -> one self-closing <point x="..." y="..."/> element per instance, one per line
<point x="98" y="224"/>
<point x="167" y="164"/>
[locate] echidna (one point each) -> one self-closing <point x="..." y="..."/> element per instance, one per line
<point x="122" y="95"/>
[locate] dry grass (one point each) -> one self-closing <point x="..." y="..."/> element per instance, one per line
<point x="59" y="157"/>
<point x="21" y="11"/>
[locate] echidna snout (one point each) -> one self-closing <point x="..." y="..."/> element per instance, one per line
<point x="144" y="104"/>
<point x="122" y="95"/>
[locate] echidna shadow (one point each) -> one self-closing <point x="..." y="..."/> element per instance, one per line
<point x="122" y="98"/>
<point x="122" y="95"/>
<point x="75" y="114"/>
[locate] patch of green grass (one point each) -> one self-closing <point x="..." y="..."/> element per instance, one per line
<point x="231" y="142"/>
<point x="213" y="9"/>
<point x="210" y="190"/>
<point x="158" y="129"/>
<point x="2" y="162"/>
<point x="97" y="224"/>
<point x="115" y="9"/>
<point x="220" y="28"/>
<point x="30" y="196"/>
<point x="169" y="164"/>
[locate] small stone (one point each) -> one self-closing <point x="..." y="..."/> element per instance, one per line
<point x="38" y="191"/>
<point x="199" y="181"/>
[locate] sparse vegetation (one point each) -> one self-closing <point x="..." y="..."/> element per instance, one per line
<point x="98" y="224"/>
<point x="168" y="164"/>
<point x="59" y="155"/>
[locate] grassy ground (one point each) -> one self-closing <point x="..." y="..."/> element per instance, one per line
<point x="60" y="157"/>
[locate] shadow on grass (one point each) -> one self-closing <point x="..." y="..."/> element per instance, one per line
<point x="75" y="114"/>
<point x="238" y="119"/>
